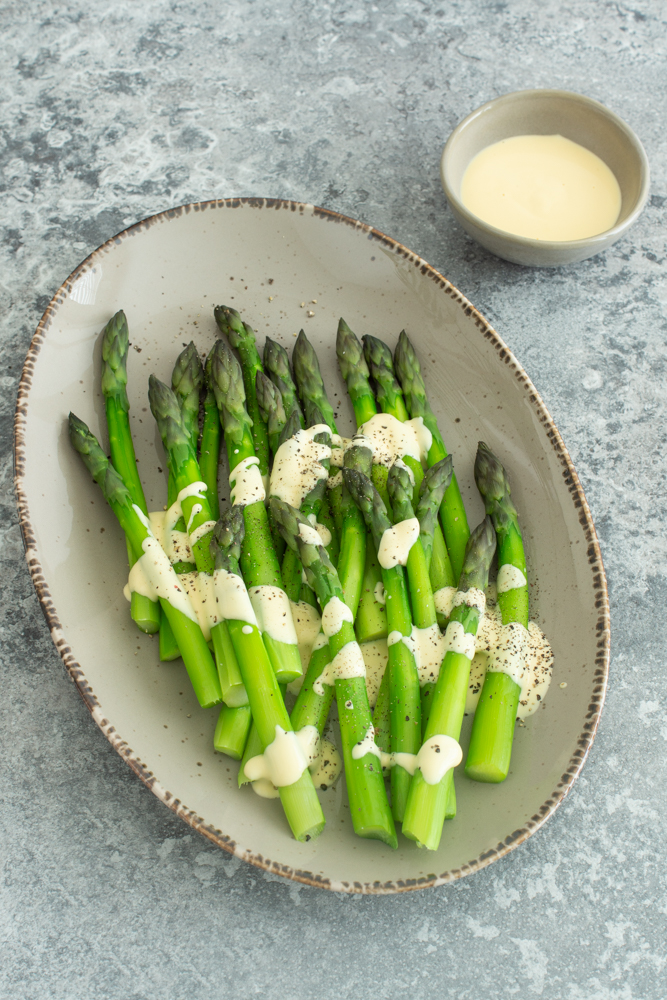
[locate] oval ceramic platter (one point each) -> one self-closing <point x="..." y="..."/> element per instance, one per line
<point x="286" y="266"/>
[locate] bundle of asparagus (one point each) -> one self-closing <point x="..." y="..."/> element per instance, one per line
<point x="370" y="534"/>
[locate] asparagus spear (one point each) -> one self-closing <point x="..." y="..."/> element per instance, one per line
<point x="209" y="455"/>
<point x="391" y="401"/>
<point x="271" y="408"/>
<point x="435" y="483"/>
<point x="175" y="606"/>
<point x="371" y="622"/>
<point x="430" y="785"/>
<point x="187" y="380"/>
<point x="272" y="411"/>
<point x="452" y="511"/>
<point x="258" y="558"/>
<point x="314" y="700"/>
<point x="405" y="710"/>
<point x="370" y="613"/>
<point x="184" y="470"/>
<point x="226" y="551"/>
<point x="311" y="385"/>
<point x="115" y="343"/>
<point x="242" y="338"/>
<point x="231" y="731"/>
<point x="354" y="370"/>
<point x="369" y="808"/>
<point x="490" y="748"/>
<point x="277" y="367"/>
<point x="299" y="799"/>
<point x="388" y="394"/>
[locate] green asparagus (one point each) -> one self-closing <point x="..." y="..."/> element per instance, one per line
<point x="196" y="656"/>
<point x="490" y="748"/>
<point x="115" y="342"/>
<point x="427" y="799"/>
<point x="369" y="809"/>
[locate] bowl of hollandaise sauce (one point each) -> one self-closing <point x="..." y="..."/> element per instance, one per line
<point x="545" y="177"/>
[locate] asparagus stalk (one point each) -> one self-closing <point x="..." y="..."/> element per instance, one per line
<point x="427" y="799"/>
<point x="371" y="621"/>
<point x="271" y="409"/>
<point x="405" y="710"/>
<point x="209" y="455"/>
<point x="354" y="369"/>
<point x="313" y="703"/>
<point x="184" y="470"/>
<point x="389" y="395"/>
<point x="299" y="799"/>
<point x="277" y="367"/>
<point x="187" y="381"/>
<point x="391" y="401"/>
<point x="370" y="612"/>
<point x="310" y="508"/>
<point x="436" y="480"/>
<point x="452" y="511"/>
<point x="492" y="735"/>
<point x="115" y="343"/>
<point x="196" y="656"/>
<point x="226" y="551"/>
<point x="369" y="808"/>
<point x="308" y="377"/>
<point x="273" y="414"/>
<point x="242" y="338"/>
<point x="231" y="731"/>
<point x="258" y="558"/>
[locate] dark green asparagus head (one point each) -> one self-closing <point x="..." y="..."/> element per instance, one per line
<point x="270" y="403"/>
<point x="352" y="362"/>
<point x="227" y="539"/>
<point x="84" y="441"/>
<point x="408" y="369"/>
<point x="369" y="502"/>
<point x="300" y="535"/>
<point x="493" y="484"/>
<point x="291" y="427"/>
<point x="239" y="334"/>
<point x="187" y="380"/>
<point x="400" y="487"/>
<point x="358" y="456"/>
<point x="167" y="412"/>
<point x="309" y="381"/>
<point x="380" y="362"/>
<point x="480" y="549"/>
<point x="230" y="324"/>
<point x="227" y="382"/>
<point x="115" y="343"/>
<point x="277" y="367"/>
<point x="431" y="493"/>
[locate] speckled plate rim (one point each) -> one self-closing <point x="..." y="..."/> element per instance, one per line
<point x="77" y="674"/>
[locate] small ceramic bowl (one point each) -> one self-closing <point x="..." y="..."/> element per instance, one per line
<point x="547" y="112"/>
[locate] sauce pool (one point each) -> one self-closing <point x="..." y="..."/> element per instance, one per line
<point x="544" y="187"/>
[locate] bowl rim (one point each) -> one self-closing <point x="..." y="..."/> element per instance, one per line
<point x="526" y="241"/>
<point x="76" y="672"/>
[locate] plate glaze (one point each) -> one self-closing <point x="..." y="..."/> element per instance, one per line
<point x="285" y="266"/>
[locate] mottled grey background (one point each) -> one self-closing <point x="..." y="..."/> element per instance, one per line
<point x="111" y="112"/>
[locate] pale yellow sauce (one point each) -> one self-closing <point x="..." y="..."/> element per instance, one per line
<point x="544" y="187"/>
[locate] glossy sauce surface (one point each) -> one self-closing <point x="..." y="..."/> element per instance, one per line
<point x="543" y="187"/>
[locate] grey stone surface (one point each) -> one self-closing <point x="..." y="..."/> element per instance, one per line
<point x="112" y="112"/>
